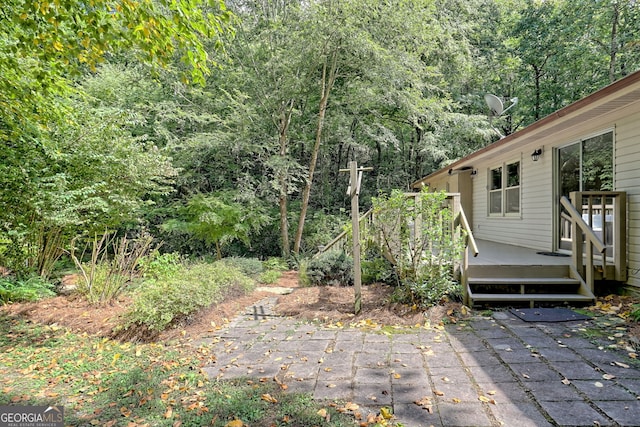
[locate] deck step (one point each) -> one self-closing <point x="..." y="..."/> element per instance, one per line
<point x="533" y="286"/>
<point x="516" y="281"/>
<point x="528" y="297"/>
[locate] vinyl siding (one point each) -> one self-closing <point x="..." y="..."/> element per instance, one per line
<point x="534" y="227"/>
<point x="627" y="178"/>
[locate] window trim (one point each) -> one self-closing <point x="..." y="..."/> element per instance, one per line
<point x="504" y="189"/>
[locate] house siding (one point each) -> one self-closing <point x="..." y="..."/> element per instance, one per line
<point x="532" y="228"/>
<point x="616" y="108"/>
<point x="627" y="178"/>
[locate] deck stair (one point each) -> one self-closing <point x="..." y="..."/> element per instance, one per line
<point x="519" y="284"/>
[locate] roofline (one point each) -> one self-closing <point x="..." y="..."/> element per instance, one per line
<point x="557" y="115"/>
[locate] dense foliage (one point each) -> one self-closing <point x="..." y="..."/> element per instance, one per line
<point x="418" y="237"/>
<point x="101" y="128"/>
<point x="170" y="300"/>
<point x="332" y="268"/>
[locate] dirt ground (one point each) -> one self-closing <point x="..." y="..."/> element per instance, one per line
<point x="324" y="304"/>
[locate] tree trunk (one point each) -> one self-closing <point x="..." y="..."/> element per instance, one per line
<point x="326" y="85"/>
<point x="613" y="49"/>
<point x="283" y="128"/>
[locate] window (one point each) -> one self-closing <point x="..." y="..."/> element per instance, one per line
<point x="504" y="189"/>
<point x="495" y="191"/>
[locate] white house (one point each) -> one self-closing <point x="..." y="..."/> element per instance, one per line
<point x="511" y="190"/>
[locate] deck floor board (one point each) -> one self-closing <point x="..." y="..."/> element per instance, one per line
<point x="492" y="253"/>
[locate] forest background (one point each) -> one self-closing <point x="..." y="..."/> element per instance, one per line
<point x="220" y="129"/>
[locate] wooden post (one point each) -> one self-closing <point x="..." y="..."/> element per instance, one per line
<point x="355" y="223"/>
<point x="353" y="191"/>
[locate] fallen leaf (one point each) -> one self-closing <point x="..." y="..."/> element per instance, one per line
<point x="386" y="413"/>
<point x="487" y="400"/>
<point x="169" y="412"/>
<point x="608" y="376"/>
<point x="598" y="384"/>
<point x="438" y="393"/>
<point x="234" y="423"/>
<point x="566" y="381"/>
<point x="456" y="400"/>
<point x="622" y="365"/>
<point x="268" y="398"/>
<point x="397" y="376"/>
<point x="491" y="392"/>
<point x="525" y="376"/>
<point x="350" y="406"/>
<point x="322" y="412"/>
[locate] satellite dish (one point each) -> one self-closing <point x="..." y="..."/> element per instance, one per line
<point x="495" y="104"/>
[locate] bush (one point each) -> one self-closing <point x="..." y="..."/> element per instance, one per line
<point x="101" y="282"/>
<point x="270" y="276"/>
<point x="30" y="289"/>
<point x="158" y="266"/>
<point x="425" y="295"/>
<point x="275" y="263"/>
<point x="251" y="267"/>
<point x="424" y="246"/>
<point x="112" y="266"/>
<point x="377" y="269"/>
<point x="160" y="304"/>
<point x="329" y="268"/>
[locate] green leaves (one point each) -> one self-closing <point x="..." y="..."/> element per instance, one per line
<point x="218" y="219"/>
<point x="417" y="236"/>
<point x="160" y="303"/>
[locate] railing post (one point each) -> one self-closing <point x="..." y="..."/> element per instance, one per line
<point x="576" y="237"/>
<point x="620" y="235"/>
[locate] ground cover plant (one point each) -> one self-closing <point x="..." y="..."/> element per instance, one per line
<point x="171" y="299"/>
<point x="105" y="382"/>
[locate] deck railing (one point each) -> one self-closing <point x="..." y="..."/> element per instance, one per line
<point x="341" y="241"/>
<point x="460" y="223"/>
<point x="471" y="247"/>
<point x="599" y="216"/>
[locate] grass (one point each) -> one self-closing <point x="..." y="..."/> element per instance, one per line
<point x="109" y="383"/>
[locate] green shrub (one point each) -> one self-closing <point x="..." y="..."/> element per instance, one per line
<point x="420" y="237"/>
<point x="329" y="268"/>
<point x="275" y="263"/>
<point x="425" y="295"/>
<point x="635" y="313"/>
<point x="105" y="282"/>
<point x="251" y="267"/>
<point x="112" y="266"/>
<point x="270" y="276"/>
<point x="158" y="266"/>
<point x="159" y="304"/>
<point x="377" y="269"/>
<point x="30" y="289"/>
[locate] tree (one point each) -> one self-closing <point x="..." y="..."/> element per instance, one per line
<point x="217" y="219"/>
<point x="42" y="43"/>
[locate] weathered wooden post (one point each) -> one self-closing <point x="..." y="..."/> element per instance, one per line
<point x="353" y="191"/>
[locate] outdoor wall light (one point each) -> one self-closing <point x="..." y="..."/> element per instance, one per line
<point x="536" y="154"/>
<point x="474" y="172"/>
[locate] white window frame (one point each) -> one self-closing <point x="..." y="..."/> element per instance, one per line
<point x="504" y="189"/>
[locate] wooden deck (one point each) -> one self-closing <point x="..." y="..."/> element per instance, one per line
<point x="515" y="275"/>
<point x="492" y="253"/>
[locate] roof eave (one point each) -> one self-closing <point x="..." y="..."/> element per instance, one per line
<point x="577" y="106"/>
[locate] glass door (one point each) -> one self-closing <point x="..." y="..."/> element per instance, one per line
<point x="586" y="165"/>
